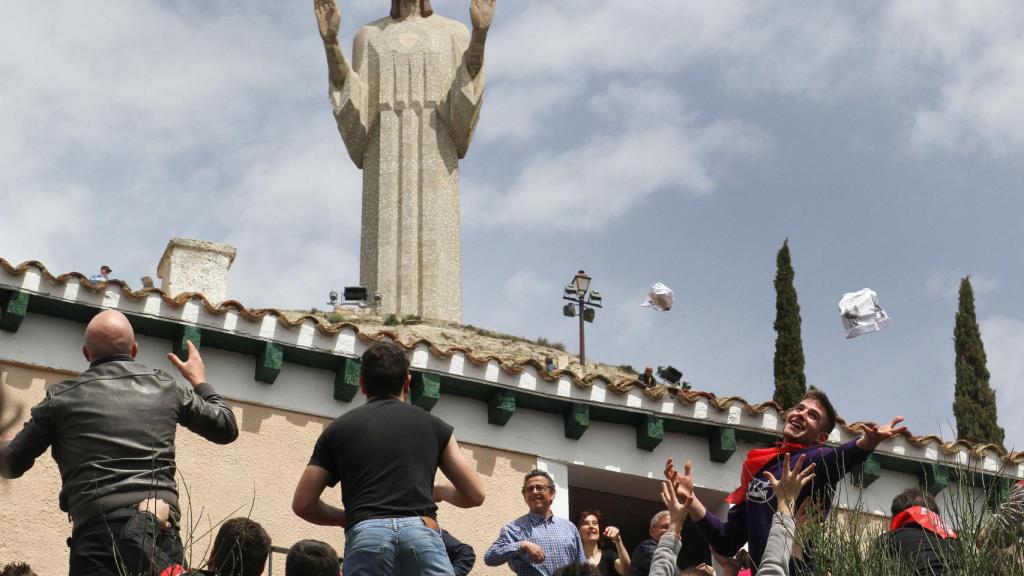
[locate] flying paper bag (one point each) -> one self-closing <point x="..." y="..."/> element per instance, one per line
<point x="861" y="313"/>
<point x="660" y="298"/>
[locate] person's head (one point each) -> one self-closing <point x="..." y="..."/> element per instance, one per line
<point x="589" y="525"/>
<point x="811" y="420"/>
<point x="311" y="558"/>
<point x="659" y="525"/>
<point x="240" y="548"/>
<point x="538" y="491"/>
<point x="17" y="569"/>
<point x="107" y="334"/>
<point x="424" y="6"/>
<point x="147" y="282"/>
<point x="105" y="271"/>
<point x="700" y="570"/>
<point x="384" y="371"/>
<point x="913" y="497"/>
<point x="578" y="569"/>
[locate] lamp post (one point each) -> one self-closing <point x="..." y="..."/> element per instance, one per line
<point x="576" y="292"/>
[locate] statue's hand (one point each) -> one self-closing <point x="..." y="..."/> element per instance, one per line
<point x="481" y="12"/>
<point x="327" y="18"/>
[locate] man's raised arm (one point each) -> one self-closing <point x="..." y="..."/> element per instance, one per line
<point x="307" y="504"/>
<point x="725" y="537"/>
<point x="201" y="409"/>
<point x="19" y="452"/>
<point x="466" y="491"/>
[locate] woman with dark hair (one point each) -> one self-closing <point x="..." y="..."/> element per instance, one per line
<point x="609" y="560"/>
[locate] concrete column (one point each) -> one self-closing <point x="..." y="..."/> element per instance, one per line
<point x="196" y="266"/>
<point x="560" y="472"/>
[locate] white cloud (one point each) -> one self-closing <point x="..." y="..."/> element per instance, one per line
<point x="776" y="48"/>
<point x="516" y="111"/>
<point x="653" y="145"/>
<point x="524" y="287"/>
<point x="296" y="211"/>
<point x="128" y="125"/>
<point x="945" y="283"/>
<point x="1004" y="340"/>
<point x="975" y="49"/>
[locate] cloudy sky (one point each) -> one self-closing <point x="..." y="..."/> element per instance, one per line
<point x="669" y="141"/>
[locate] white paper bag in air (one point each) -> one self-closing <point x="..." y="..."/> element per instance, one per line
<point x="660" y="298"/>
<point x="861" y="313"/>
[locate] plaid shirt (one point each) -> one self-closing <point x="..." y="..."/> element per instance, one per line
<point x="557" y="536"/>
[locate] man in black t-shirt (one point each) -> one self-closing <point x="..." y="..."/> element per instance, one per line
<point x="385" y="455"/>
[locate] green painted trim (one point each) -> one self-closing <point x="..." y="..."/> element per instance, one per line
<point x="650" y="431"/>
<point x="13" y="310"/>
<point x="426" y="389"/>
<point x="269" y="362"/>
<point x="346" y="379"/>
<point x="997" y="492"/>
<point x="186" y="333"/>
<point x="500" y="407"/>
<point x="933" y="477"/>
<point x="577" y="420"/>
<point x="721" y="444"/>
<point x="865" y="473"/>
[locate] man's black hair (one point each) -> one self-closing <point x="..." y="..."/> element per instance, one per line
<point x="538" y="472"/>
<point x="240" y="549"/>
<point x="311" y="558"/>
<point x="384" y="369"/>
<point x="913" y="497"/>
<point x="830" y="410"/>
<point x="17" y="569"/>
<point x="579" y="569"/>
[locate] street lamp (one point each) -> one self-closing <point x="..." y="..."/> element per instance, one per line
<point x="576" y="294"/>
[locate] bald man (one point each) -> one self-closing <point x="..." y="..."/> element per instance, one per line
<point x="112" y="432"/>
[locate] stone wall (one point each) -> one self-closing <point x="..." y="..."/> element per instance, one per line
<point x="254" y="476"/>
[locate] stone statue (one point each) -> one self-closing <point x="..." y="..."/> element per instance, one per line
<point x="406" y="107"/>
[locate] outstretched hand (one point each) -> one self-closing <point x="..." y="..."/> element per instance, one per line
<point x="676" y="509"/>
<point x="682" y="484"/>
<point x="874" y="434"/>
<point x="328" y="18"/>
<point x="193" y="369"/>
<point x="481" y="12"/>
<point x="793" y="480"/>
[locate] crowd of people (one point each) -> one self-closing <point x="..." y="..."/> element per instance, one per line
<point x="112" y="435"/>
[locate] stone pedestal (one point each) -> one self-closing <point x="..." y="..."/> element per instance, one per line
<point x="196" y="266"/>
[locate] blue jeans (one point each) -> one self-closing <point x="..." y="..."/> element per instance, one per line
<point x="394" y="546"/>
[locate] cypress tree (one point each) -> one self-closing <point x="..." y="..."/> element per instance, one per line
<point x="790" y="381"/>
<point x="974" y="401"/>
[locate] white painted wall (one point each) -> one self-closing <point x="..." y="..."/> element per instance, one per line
<point x="55" y="343"/>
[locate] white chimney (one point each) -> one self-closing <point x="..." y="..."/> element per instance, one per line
<point x="196" y="266"/>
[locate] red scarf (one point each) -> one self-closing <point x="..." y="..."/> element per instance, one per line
<point x="756" y="460"/>
<point x="924" y="518"/>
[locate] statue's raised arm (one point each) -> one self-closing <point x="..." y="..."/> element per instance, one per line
<point x="481" y="12"/>
<point x="328" y="19"/>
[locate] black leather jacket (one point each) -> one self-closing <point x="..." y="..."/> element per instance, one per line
<point x="112" y="432"/>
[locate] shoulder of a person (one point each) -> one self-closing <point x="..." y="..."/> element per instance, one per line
<point x="562" y="522"/>
<point x="648" y="544"/>
<point x="63" y="386"/>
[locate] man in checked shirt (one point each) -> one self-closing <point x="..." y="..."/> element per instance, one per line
<point x="538" y="542"/>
